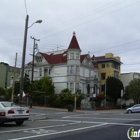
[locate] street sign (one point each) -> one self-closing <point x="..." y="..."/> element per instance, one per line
<point x="122" y="93"/>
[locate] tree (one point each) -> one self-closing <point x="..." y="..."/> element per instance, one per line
<point x="133" y="90"/>
<point x="2" y="91"/>
<point x="8" y="93"/>
<point x="113" y="88"/>
<point x="44" y="87"/>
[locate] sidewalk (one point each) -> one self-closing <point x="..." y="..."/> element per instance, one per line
<point x="110" y="111"/>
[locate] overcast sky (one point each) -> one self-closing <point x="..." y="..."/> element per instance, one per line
<point x="101" y="26"/>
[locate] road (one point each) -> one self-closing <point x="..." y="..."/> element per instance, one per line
<point x="63" y="125"/>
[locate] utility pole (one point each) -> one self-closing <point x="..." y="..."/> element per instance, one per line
<point x="23" y="56"/>
<point x="105" y="91"/>
<point x="75" y="87"/>
<point x="32" y="77"/>
<point x="23" y="60"/>
<point x="13" y="84"/>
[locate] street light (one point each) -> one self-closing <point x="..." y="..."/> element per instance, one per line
<point x="23" y="55"/>
<point x="38" y="21"/>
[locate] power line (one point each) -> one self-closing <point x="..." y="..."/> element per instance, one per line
<point x="80" y="17"/>
<point x="67" y="21"/>
<point x="25" y="7"/>
<point x="87" y="21"/>
<point x="132" y="63"/>
<point x="93" y="19"/>
<point x="117" y="46"/>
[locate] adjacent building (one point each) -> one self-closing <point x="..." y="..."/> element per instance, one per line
<point x="126" y="78"/>
<point x="6" y="75"/>
<point x="67" y="67"/>
<point x="108" y="65"/>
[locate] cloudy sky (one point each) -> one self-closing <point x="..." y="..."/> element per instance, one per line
<point x="101" y="26"/>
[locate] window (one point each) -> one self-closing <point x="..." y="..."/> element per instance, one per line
<point x="77" y="55"/>
<point x="38" y="59"/>
<point x="77" y="69"/>
<point x="103" y="75"/>
<point x="72" y="87"/>
<point x="115" y="66"/>
<point x="40" y="71"/>
<point x="103" y="65"/>
<point x="107" y="65"/>
<point x="71" y="69"/>
<point x="116" y="74"/>
<point x="71" y="55"/>
<point x="112" y="65"/>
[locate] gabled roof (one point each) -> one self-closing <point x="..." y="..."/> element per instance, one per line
<point x="74" y="43"/>
<point x="46" y="56"/>
<point x="95" y="64"/>
<point x="55" y="59"/>
<point x="82" y="57"/>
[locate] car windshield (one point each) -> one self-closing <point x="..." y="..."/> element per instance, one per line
<point x="8" y="104"/>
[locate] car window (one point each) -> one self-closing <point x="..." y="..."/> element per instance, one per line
<point x="8" y="104"/>
<point x="136" y="105"/>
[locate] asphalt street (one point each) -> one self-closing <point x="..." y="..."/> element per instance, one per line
<point x="50" y="124"/>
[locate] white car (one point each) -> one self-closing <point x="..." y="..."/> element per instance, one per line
<point x="135" y="108"/>
<point x="14" y="112"/>
<point x="2" y="117"/>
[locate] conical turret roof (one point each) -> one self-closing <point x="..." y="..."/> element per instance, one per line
<point x="74" y="43"/>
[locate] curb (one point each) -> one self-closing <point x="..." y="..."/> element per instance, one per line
<point x="110" y="111"/>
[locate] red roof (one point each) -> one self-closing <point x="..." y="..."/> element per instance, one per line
<point x="74" y="43"/>
<point x="56" y="58"/>
<point x="95" y="64"/>
<point x="60" y="58"/>
<point x="82" y="57"/>
<point x="100" y="58"/>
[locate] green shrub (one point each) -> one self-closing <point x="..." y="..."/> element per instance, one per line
<point x="57" y="102"/>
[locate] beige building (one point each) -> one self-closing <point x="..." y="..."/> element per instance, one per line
<point x="127" y="77"/>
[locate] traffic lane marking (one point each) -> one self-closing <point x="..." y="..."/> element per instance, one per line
<point x="40" y="131"/>
<point x="53" y="132"/>
<point x="60" y="132"/>
<point x="76" y="117"/>
<point x="42" y="114"/>
<point x="50" y="126"/>
<point x="97" y="122"/>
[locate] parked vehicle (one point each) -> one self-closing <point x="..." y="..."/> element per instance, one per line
<point x="14" y="113"/>
<point x="2" y="117"/>
<point x="135" y="108"/>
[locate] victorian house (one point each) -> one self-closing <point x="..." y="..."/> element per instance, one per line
<point x="67" y="67"/>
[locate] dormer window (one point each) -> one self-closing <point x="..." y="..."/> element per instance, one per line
<point x="38" y="59"/>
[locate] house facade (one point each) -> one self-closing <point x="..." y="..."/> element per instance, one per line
<point x="6" y="75"/>
<point x="108" y="65"/>
<point x="67" y="67"/>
